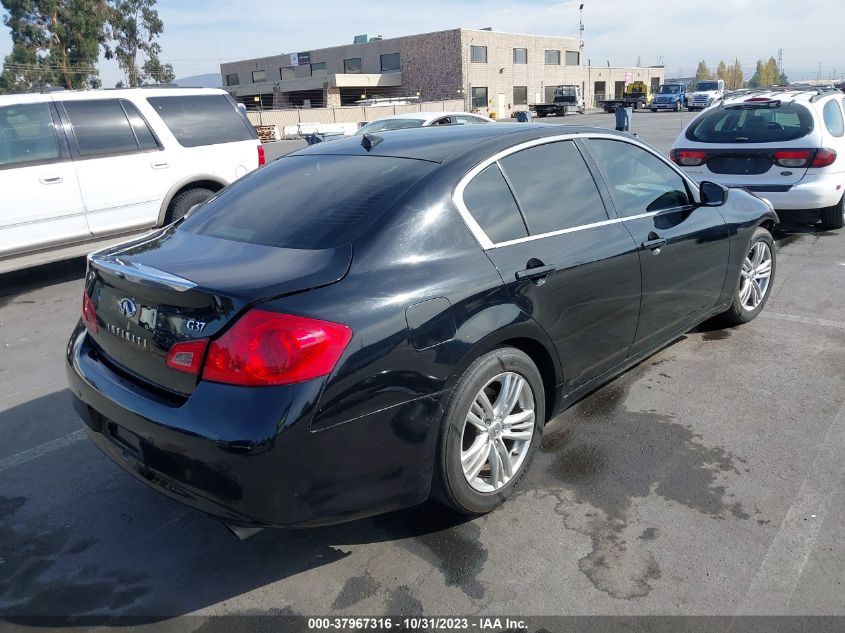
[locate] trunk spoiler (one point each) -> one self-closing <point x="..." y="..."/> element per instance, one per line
<point x="139" y="273"/>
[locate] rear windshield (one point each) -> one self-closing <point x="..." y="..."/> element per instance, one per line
<point x="203" y="119"/>
<point x="786" y="122"/>
<point x="308" y="202"/>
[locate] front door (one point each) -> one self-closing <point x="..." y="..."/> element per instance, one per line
<point x="41" y="204"/>
<point x="683" y="247"/>
<point x="566" y="264"/>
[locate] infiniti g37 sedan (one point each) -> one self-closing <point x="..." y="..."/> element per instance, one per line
<point x="373" y="321"/>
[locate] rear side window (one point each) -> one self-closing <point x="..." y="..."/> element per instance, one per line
<point x="553" y="187"/>
<point x="833" y="118"/>
<point x="491" y="204"/>
<point x="786" y="122"/>
<point x="202" y="119"/>
<point x="101" y="127"/>
<point x="639" y="181"/>
<point x="142" y="131"/>
<point x="308" y="202"/>
<point x="27" y="134"/>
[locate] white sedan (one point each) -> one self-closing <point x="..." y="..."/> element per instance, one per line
<point x="421" y="119"/>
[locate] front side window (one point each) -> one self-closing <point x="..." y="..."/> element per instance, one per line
<point x="552" y="58"/>
<point x="833" y="118"/>
<point x="479" y="97"/>
<point x="554" y="187"/>
<point x="27" y="134"/>
<point x="259" y="76"/>
<point x="520" y="95"/>
<point x="390" y="63"/>
<point x="101" y="127"/>
<point x="490" y="202"/>
<point x="639" y="181"/>
<point x="232" y="79"/>
<point x="202" y="119"/>
<point x="520" y="56"/>
<point x="352" y="66"/>
<point x="478" y="54"/>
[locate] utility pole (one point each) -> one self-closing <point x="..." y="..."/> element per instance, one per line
<point x="780" y="62"/>
<point x="580" y="31"/>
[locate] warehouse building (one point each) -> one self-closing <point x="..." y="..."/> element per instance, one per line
<point x="490" y="71"/>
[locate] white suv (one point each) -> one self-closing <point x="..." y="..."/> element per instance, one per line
<point x="82" y="170"/>
<point x="786" y="146"/>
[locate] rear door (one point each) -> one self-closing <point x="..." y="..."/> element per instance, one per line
<point x="565" y="262"/>
<point x="683" y="248"/>
<point x="123" y="171"/>
<point x="41" y="204"/>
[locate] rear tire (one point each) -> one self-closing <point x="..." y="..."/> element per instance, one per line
<point x="185" y="201"/>
<point x="834" y="217"/>
<point x="490" y="436"/>
<point x="751" y="295"/>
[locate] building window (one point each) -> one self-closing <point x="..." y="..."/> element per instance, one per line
<point x="286" y="73"/>
<point x="258" y="76"/>
<point x="478" y="54"/>
<point x="520" y="56"/>
<point x="318" y="69"/>
<point x="352" y="66"/>
<point x="479" y="97"/>
<point x="552" y="58"/>
<point x="232" y="80"/>
<point x="573" y="58"/>
<point x="520" y="95"/>
<point x="390" y="63"/>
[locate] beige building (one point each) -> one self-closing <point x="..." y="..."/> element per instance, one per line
<point x="490" y="70"/>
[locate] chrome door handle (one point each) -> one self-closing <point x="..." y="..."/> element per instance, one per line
<point x="51" y="180"/>
<point x="535" y="273"/>
<point x="654" y="244"/>
<point x="159" y="165"/>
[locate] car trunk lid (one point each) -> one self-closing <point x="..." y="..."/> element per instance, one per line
<point x="175" y="286"/>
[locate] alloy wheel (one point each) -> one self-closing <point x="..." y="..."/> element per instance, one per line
<point x="756" y="276"/>
<point x="497" y="433"/>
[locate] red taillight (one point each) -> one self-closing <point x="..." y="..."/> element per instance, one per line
<point x="792" y="158"/>
<point x="689" y="157"/>
<point x="89" y="315"/>
<point x="262" y="158"/>
<point x="268" y="348"/>
<point x="824" y="158"/>
<point x="187" y="356"/>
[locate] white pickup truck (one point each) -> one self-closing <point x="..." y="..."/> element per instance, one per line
<point x="706" y="92"/>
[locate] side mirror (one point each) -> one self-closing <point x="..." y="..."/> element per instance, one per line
<point x="713" y="194"/>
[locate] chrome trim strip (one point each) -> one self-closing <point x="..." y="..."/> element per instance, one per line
<point x="487" y="244"/>
<point x="140" y="273"/>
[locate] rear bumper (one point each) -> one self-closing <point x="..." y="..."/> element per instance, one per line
<point x="248" y="455"/>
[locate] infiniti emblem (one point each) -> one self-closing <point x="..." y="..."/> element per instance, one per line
<point x="127" y="308"/>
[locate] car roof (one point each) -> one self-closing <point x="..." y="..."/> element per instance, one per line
<point x="108" y="93"/>
<point x="785" y="95"/>
<point x="443" y="143"/>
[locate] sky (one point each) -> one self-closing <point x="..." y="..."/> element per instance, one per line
<point x="199" y="34"/>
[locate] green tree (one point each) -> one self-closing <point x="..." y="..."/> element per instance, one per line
<point x="767" y="74"/>
<point x="54" y="43"/>
<point x="703" y="72"/>
<point x="133" y="29"/>
<point x="736" y="78"/>
<point x="722" y="72"/>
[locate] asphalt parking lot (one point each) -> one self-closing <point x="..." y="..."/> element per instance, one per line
<point x="706" y="480"/>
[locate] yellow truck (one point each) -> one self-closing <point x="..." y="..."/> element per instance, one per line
<point x="637" y="95"/>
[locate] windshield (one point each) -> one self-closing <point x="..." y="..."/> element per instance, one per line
<point x="707" y="85"/>
<point x="748" y="124"/>
<point x="309" y="202"/>
<point x="389" y="124"/>
<point x="669" y="89"/>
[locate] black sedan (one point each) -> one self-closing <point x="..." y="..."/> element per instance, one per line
<point x="370" y="322"/>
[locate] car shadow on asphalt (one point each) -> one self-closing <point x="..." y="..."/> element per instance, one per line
<point x="19" y="282"/>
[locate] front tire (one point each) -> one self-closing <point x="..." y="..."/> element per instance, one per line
<point x="834" y="217"/>
<point x="491" y="432"/>
<point x="755" y="279"/>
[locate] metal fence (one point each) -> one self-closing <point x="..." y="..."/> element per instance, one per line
<point x="346" y="114"/>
